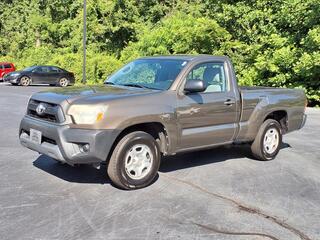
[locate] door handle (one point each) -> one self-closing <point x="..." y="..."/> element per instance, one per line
<point x="229" y="102"/>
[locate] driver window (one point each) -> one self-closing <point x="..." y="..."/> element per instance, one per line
<point x="212" y="74"/>
<point x="42" y="69"/>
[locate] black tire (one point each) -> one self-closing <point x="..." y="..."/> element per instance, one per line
<point x="63" y="82"/>
<point x="259" y="150"/>
<point x="25" y="81"/>
<point x="116" y="168"/>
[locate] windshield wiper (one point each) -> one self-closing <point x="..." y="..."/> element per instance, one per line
<point x="138" y="85"/>
<point x="126" y="84"/>
<point x="133" y="85"/>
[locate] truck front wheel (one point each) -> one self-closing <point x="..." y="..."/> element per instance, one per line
<point x="268" y="141"/>
<point x="135" y="161"/>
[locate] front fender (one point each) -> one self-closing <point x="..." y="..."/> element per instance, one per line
<point x="167" y="119"/>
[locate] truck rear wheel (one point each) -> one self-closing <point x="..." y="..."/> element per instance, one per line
<point x="268" y="141"/>
<point x="135" y="161"/>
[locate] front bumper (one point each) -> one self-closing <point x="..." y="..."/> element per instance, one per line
<point x="11" y="79"/>
<point x="64" y="143"/>
<point x="14" y="80"/>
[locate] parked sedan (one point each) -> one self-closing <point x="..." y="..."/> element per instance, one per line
<point x="52" y="75"/>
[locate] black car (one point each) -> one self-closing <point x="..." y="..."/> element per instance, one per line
<point x="52" y="75"/>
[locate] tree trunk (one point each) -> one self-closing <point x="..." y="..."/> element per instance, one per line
<point x="38" y="39"/>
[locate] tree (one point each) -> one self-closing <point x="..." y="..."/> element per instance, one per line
<point x="272" y="43"/>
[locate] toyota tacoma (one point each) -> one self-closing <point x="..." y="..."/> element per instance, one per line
<point x="159" y="106"/>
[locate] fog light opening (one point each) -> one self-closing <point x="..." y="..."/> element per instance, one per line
<point x="85" y="148"/>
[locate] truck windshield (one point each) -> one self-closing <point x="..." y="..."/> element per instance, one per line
<point x="148" y="73"/>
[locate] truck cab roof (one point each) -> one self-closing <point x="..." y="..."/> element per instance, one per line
<point x="188" y="57"/>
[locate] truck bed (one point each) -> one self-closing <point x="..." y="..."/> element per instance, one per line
<point x="258" y="102"/>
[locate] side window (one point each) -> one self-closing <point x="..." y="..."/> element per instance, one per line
<point x="54" y="70"/>
<point x="1" y="66"/>
<point x="38" y="70"/>
<point x="42" y="69"/>
<point x="212" y="74"/>
<point x="7" y="66"/>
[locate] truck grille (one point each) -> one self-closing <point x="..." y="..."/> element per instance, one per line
<point x="51" y="112"/>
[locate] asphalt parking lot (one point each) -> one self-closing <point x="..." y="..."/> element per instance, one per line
<point x="215" y="194"/>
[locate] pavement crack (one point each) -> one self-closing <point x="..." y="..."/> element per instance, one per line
<point x="244" y="207"/>
<point x="19" y="206"/>
<point x="227" y="232"/>
<point x="85" y="216"/>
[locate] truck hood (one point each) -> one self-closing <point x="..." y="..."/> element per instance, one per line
<point x="88" y="94"/>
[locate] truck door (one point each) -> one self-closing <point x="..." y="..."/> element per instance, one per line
<point x="209" y="117"/>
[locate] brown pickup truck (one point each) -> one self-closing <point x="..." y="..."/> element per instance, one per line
<point x="157" y="106"/>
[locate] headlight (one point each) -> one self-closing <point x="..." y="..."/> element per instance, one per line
<point x="14" y="74"/>
<point x="87" y="114"/>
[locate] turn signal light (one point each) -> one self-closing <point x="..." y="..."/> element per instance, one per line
<point x="99" y="116"/>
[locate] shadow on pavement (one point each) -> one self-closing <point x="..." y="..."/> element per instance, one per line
<point x="285" y="145"/>
<point x="77" y="174"/>
<point x="203" y="157"/>
<point x="89" y="174"/>
<point x="210" y="156"/>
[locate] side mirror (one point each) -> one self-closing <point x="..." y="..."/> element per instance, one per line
<point x="196" y="85"/>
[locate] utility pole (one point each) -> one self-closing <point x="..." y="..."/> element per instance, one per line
<point x="84" y="78"/>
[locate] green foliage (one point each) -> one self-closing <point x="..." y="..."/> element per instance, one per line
<point x="179" y="33"/>
<point x="272" y="43"/>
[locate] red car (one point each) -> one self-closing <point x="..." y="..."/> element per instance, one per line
<point x="6" y="67"/>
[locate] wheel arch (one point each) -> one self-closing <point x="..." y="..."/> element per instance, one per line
<point x="156" y="129"/>
<point x="280" y="116"/>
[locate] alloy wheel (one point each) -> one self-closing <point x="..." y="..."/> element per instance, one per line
<point x="63" y="82"/>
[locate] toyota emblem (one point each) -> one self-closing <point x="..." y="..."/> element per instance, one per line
<point x="41" y="108"/>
